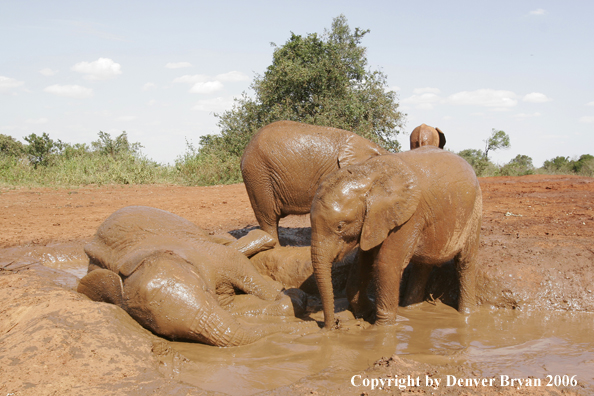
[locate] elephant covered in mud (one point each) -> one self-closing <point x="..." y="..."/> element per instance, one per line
<point x="285" y="161"/>
<point x="422" y="206"/>
<point x="175" y="279"/>
<point x="424" y="135"/>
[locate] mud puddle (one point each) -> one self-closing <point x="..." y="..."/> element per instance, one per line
<point x="492" y="342"/>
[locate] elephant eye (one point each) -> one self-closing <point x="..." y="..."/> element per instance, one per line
<point x="340" y="226"/>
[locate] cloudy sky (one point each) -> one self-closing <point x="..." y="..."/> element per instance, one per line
<point x="159" y="70"/>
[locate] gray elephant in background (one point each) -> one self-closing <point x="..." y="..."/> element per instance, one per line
<point x="179" y="282"/>
<point x="424" y="135"/>
<point x="285" y="162"/>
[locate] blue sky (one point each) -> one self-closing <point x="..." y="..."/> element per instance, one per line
<point x="159" y="70"/>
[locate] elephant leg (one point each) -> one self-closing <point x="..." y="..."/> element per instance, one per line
<point x="414" y="292"/>
<point x="393" y="256"/>
<point x="168" y="297"/>
<point x="265" y="208"/>
<point x="466" y="267"/>
<point x="358" y="283"/>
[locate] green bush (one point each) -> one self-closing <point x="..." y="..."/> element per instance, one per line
<point x="207" y="167"/>
<point x="519" y="166"/>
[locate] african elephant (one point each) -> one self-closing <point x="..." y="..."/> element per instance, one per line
<point x="174" y="279"/>
<point x="285" y="161"/>
<point x="421" y="206"/>
<point x="424" y="135"/>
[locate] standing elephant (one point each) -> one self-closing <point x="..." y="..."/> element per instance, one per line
<point x="285" y="161"/>
<point x="174" y="279"/>
<point x="424" y="135"/>
<point x="422" y="206"/>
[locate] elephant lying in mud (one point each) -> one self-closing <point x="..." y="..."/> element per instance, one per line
<point x="422" y="206"/>
<point x="424" y="135"/>
<point x="285" y="161"/>
<point x="174" y="279"/>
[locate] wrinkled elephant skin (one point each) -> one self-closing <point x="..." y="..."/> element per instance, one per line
<point x="174" y="278"/>
<point x="422" y="206"/>
<point x="285" y="161"/>
<point x="424" y="135"/>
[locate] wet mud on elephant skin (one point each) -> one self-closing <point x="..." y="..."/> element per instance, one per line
<point x="422" y="205"/>
<point x="285" y="161"/>
<point x="176" y="280"/>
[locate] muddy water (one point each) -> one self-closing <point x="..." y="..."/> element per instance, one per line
<point x="491" y="342"/>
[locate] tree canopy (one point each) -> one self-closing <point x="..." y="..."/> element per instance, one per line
<point x="315" y="79"/>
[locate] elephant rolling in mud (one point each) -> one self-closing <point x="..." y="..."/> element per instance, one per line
<point x="285" y="161"/>
<point x="422" y="206"/>
<point x="174" y="278"/>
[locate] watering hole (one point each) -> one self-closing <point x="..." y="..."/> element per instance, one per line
<point x="490" y="341"/>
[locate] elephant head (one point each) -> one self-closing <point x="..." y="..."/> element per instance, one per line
<point x="359" y="204"/>
<point x="424" y="135"/>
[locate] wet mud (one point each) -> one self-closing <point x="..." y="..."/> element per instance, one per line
<point x="535" y="319"/>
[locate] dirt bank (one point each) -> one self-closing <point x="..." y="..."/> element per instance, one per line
<point x="537" y="255"/>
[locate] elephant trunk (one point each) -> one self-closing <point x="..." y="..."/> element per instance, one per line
<point x="322" y="266"/>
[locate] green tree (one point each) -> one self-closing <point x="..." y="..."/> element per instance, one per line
<point x="105" y="145"/>
<point x="497" y="140"/>
<point x="40" y="149"/>
<point x="584" y="162"/>
<point x="519" y="166"/>
<point x="10" y="147"/>
<point x="558" y="164"/>
<point x="321" y="80"/>
<point x="478" y="161"/>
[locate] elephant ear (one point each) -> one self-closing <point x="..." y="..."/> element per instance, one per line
<point x="442" y="139"/>
<point x="356" y="150"/>
<point x="102" y="285"/>
<point x="391" y="201"/>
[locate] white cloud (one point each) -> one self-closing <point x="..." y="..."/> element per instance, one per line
<point x="178" y="65"/>
<point x="232" y="76"/>
<point x="206" y="87"/>
<point x="423" y="100"/>
<point x="392" y="88"/>
<point x="216" y="104"/>
<point x="126" y="118"/>
<point x="148" y="86"/>
<point x="484" y="97"/>
<point x="524" y="115"/>
<point x="101" y="69"/>
<point x="590" y="104"/>
<point x="48" y="72"/>
<point x="196" y="78"/>
<point x="418" y="91"/>
<point x="536" y="97"/>
<point x="39" y="121"/>
<point x="538" y="11"/>
<point x="587" y="120"/>
<point x="7" y="83"/>
<point x="71" y="91"/>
